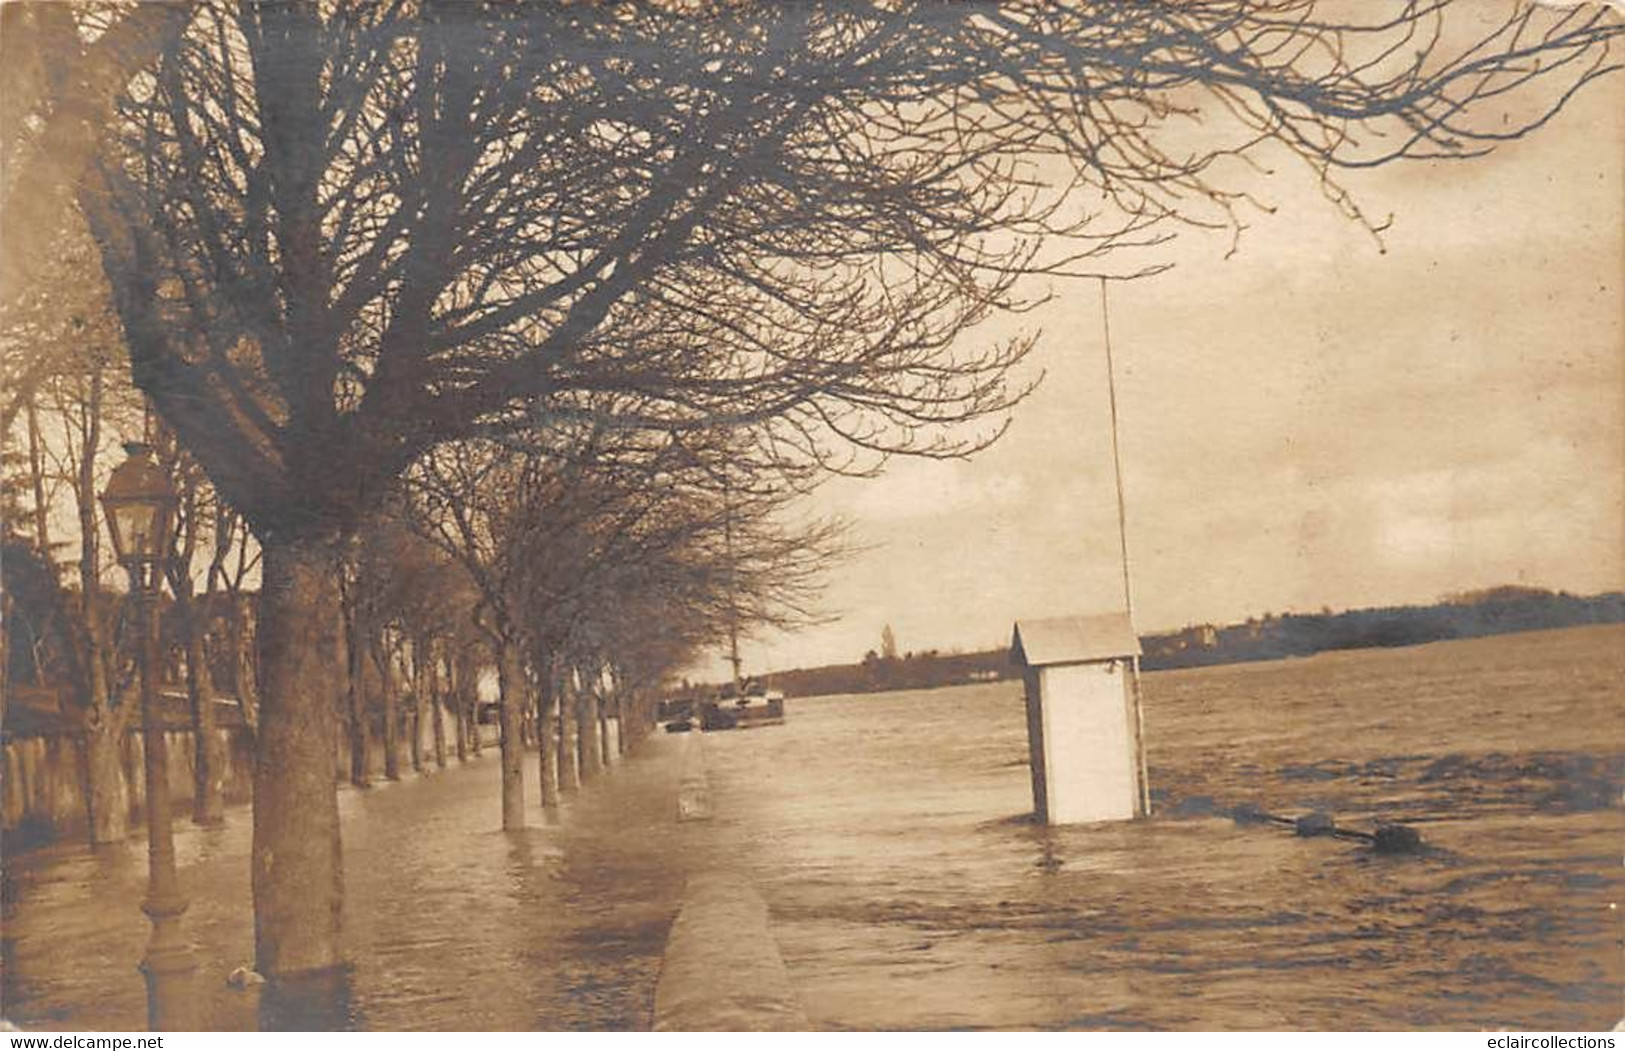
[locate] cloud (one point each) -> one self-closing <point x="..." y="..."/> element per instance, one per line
<point x="913" y="488"/>
<point x="1312" y="422"/>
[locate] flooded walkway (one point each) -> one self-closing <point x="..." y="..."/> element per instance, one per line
<point x="451" y="923"/>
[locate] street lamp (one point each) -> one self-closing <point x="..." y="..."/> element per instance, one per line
<point x="139" y="506"/>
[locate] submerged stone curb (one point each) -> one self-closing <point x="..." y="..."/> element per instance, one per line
<point x="722" y="970"/>
<point x="693" y="790"/>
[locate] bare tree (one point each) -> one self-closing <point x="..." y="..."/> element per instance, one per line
<point x="356" y="653"/>
<point x="339" y="234"/>
<point x="63" y="68"/>
<point x="233" y="561"/>
<point x="195" y="520"/>
<point x="667" y="542"/>
<point x="471" y="499"/>
<point x="430" y="603"/>
<point x="73" y="410"/>
<point x="402" y="600"/>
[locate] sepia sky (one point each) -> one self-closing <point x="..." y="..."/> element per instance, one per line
<point x="1312" y="422"/>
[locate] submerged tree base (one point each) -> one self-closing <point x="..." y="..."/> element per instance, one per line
<point x="298" y="873"/>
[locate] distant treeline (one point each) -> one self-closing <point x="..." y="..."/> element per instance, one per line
<point x="1496" y="611"/>
<point x="912" y="671"/>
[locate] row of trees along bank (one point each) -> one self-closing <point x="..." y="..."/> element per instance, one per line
<point x="355" y="250"/>
<point x="588" y="576"/>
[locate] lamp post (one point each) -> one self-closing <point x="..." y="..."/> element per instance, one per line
<point x="139" y="506"/>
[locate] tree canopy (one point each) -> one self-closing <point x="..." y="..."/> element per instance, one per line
<point x="341" y="233"/>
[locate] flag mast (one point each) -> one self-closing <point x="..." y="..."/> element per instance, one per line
<point x="1122" y="539"/>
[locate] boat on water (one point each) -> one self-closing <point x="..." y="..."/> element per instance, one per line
<point x="741" y="703"/>
<point x="676" y="715"/>
<point x="751" y="704"/>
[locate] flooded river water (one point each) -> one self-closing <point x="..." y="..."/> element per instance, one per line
<point x="886" y="833"/>
<point x="907" y="889"/>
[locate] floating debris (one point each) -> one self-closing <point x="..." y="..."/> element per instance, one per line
<point x="1318" y="823"/>
<point x="1389" y="837"/>
<point x="244" y="977"/>
<point x="1397" y="839"/>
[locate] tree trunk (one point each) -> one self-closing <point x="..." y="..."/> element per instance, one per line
<point x="355" y="656"/>
<point x="392" y="717"/>
<point x="454" y="694"/>
<point x="468" y="699"/>
<point x="105" y="793"/>
<point x="6" y="616"/>
<point x="567" y="774"/>
<point x="511" y="687"/>
<point x="626" y="709"/>
<point x="208" y="765"/>
<point x="588" y="749"/>
<point x="626" y="714"/>
<point x="298" y="873"/>
<point x="547" y="754"/>
<point x="437" y="710"/>
<point x="414" y="675"/>
<point x="242" y="664"/>
<point x="36" y="474"/>
<point x="107" y="801"/>
<point x="603" y="731"/>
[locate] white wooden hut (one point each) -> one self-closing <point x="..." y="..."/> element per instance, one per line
<point x="1083" y="720"/>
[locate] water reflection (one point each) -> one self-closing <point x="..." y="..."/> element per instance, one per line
<point x="321" y="1001"/>
<point x="451" y="923"/>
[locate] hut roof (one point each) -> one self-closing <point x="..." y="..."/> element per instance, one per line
<point x="1073" y="640"/>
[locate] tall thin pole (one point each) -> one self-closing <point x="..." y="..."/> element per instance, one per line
<point x="1122" y="540"/>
